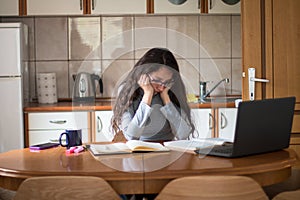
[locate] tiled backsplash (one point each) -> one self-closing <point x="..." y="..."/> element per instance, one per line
<point x="207" y="47"/>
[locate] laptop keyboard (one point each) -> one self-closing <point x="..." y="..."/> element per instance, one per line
<point x="222" y="149"/>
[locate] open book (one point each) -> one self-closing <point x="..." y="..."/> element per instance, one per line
<point x="128" y="147"/>
<point x="193" y="144"/>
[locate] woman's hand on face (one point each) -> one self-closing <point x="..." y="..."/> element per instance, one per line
<point x="165" y="96"/>
<point x="144" y="83"/>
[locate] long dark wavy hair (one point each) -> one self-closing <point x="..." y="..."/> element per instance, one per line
<point x="130" y="91"/>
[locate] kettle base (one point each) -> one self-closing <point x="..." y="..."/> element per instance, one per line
<point x="84" y="99"/>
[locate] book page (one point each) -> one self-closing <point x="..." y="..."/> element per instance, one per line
<point x="191" y="145"/>
<point x="137" y="145"/>
<point x="114" y="148"/>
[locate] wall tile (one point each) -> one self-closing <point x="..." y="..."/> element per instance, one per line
<point x="150" y="31"/>
<point x="215" y="36"/>
<point x="236" y="76"/>
<point x="84" y="38"/>
<point x="183" y="36"/>
<point x="214" y="70"/>
<point x="114" y="71"/>
<point x="117" y="38"/>
<point x="63" y="44"/>
<point x="189" y="70"/>
<point x="61" y="70"/>
<point x="236" y="37"/>
<point x="51" y="38"/>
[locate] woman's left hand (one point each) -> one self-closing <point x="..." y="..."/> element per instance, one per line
<point x="165" y="96"/>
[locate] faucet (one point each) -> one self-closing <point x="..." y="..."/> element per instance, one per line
<point x="204" y="93"/>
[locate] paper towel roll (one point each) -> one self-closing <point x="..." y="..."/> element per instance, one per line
<point x="46" y="88"/>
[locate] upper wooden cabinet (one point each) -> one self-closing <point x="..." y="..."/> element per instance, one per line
<point x="9" y="7"/>
<point x="218" y="6"/>
<point x="118" y="6"/>
<point x="55" y="7"/>
<point x="165" y="7"/>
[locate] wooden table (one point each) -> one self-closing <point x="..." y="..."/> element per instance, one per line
<point x="143" y="172"/>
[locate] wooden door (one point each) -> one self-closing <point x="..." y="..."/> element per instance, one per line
<point x="270" y="40"/>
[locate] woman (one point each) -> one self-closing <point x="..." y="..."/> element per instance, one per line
<point x="152" y="105"/>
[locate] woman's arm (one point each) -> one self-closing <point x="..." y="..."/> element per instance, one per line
<point x="179" y="125"/>
<point x="133" y="125"/>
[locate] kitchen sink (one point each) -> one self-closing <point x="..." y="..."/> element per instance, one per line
<point x="219" y="99"/>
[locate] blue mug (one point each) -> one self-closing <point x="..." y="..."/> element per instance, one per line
<point x="73" y="138"/>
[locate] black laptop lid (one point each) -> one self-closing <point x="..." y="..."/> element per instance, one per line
<point x="263" y="125"/>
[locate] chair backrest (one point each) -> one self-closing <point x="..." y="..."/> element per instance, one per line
<point x="213" y="188"/>
<point x="65" y="187"/>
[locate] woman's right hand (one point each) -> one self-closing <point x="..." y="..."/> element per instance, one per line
<point x="144" y="83"/>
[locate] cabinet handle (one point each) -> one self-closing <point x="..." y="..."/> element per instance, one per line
<point x="223" y="121"/>
<point x="210" y="4"/>
<point x="58" y="121"/>
<point x="99" y="124"/>
<point x="81" y="4"/>
<point x="93" y="4"/>
<point x="211" y="121"/>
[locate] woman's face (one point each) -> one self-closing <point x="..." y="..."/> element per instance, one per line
<point x="161" y="79"/>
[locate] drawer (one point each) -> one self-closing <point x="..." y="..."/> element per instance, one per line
<point x="38" y="137"/>
<point x="57" y="120"/>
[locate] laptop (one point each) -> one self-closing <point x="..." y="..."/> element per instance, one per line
<point x="262" y="126"/>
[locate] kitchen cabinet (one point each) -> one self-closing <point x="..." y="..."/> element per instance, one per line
<point x="9" y="7"/>
<point x="47" y="126"/>
<point x="218" y="6"/>
<point x="215" y="122"/>
<point x="166" y="7"/>
<point x="204" y="122"/>
<point x="55" y="7"/>
<point x="226" y="123"/>
<point x="118" y="7"/>
<point x="103" y="131"/>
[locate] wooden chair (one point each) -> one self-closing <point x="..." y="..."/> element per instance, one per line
<point x="65" y="187"/>
<point x="213" y="188"/>
<point x="288" y="195"/>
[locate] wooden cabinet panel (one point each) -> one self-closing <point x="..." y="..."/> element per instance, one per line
<point x="286" y="49"/>
<point x="9" y="7"/>
<point x="54" y="7"/>
<point x="118" y="7"/>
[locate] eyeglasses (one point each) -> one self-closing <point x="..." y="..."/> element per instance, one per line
<point x="167" y="83"/>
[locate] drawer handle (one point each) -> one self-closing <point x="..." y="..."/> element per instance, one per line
<point x="99" y="124"/>
<point x="58" y="121"/>
<point x="223" y="121"/>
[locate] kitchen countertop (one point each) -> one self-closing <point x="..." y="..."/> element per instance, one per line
<point x="104" y="104"/>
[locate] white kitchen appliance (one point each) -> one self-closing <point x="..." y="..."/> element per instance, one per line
<point x="13" y="57"/>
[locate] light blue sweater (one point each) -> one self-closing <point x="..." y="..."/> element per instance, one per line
<point x="158" y="122"/>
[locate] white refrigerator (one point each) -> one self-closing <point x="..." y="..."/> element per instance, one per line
<point x="12" y="67"/>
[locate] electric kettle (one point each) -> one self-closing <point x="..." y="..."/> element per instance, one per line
<point x="85" y="86"/>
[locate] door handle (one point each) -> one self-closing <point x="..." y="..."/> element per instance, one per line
<point x="252" y="80"/>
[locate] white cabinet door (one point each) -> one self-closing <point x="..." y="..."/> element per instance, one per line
<point x="164" y="6"/>
<point x="204" y="122"/>
<point x="42" y="136"/>
<point x="54" y="7"/>
<point x="227" y="121"/>
<point x="9" y="7"/>
<point x="103" y="126"/>
<point x="119" y="7"/>
<point x="47" y="126"/>
<point x="218" y="6"/>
